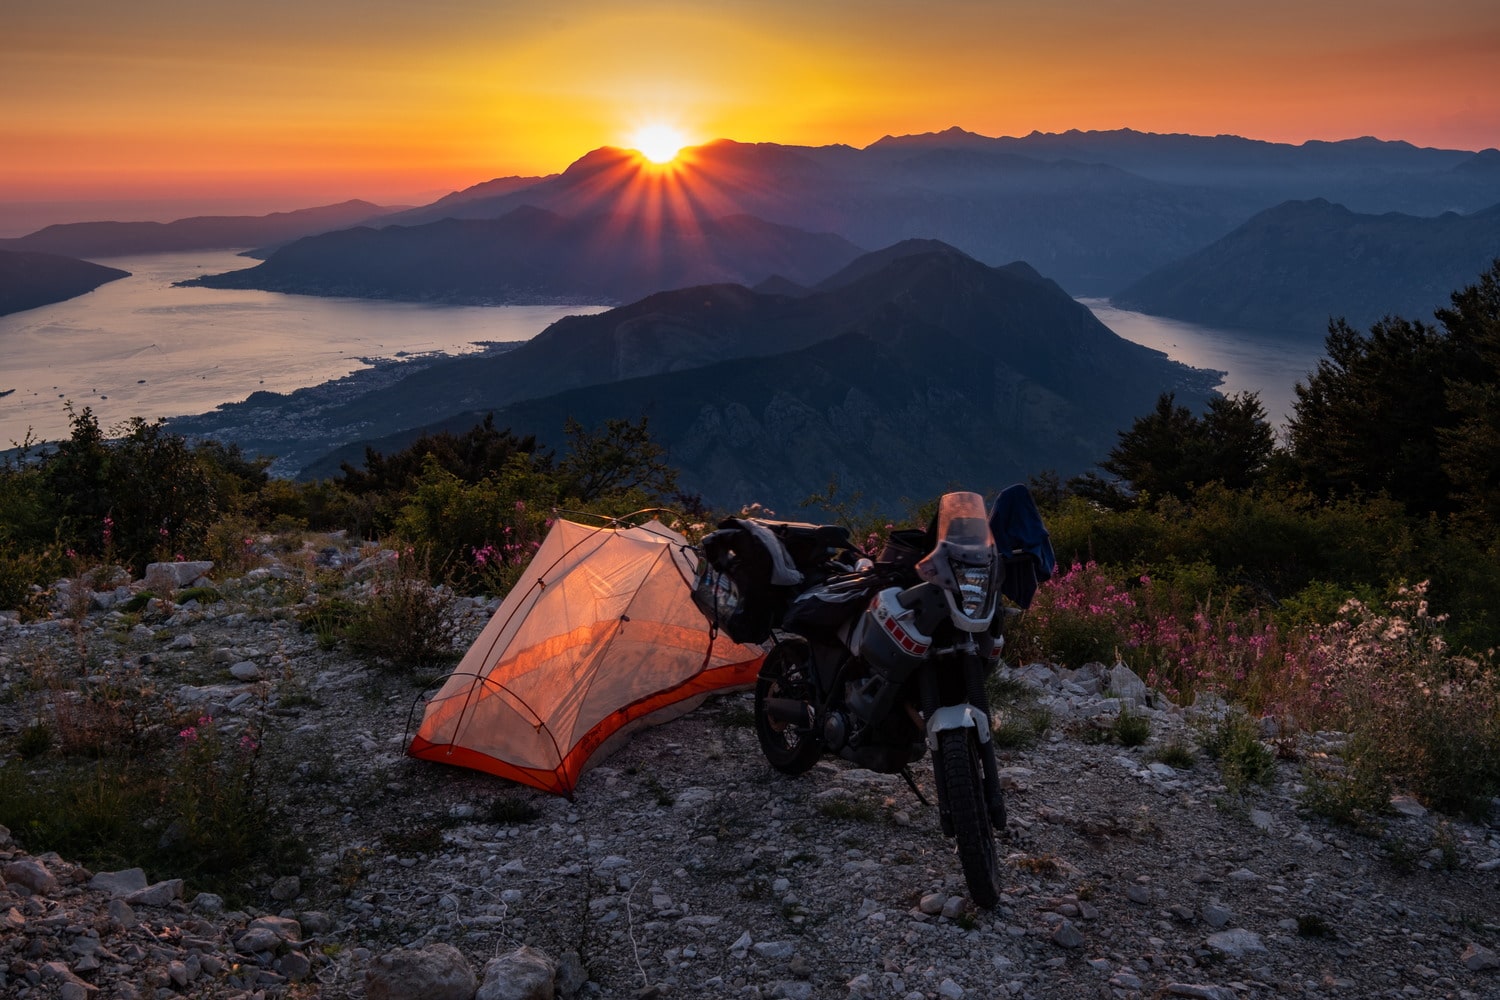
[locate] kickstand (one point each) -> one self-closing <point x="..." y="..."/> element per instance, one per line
<point x="911" y="782"/>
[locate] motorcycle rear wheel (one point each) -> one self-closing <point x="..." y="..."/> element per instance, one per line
<point x="786" y="673"/>
<point x="963" y="784"/>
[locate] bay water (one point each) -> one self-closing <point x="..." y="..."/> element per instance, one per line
<point x="142" y="347"/>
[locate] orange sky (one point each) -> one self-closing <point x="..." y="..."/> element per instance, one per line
<point x="297" y="103"/>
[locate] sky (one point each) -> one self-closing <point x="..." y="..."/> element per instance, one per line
<point x="163" y="107"/>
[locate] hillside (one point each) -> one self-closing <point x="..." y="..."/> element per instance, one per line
<point x="1026" y="359"/>
<point x="28" y="280"/>
<point x="686" y="867"/>
<point x="1291" y="268"/>
<point x="530" y="255"/>
<point x="207" y="232"/>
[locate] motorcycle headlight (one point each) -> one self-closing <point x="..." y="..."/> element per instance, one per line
<point x="973" y="589"/>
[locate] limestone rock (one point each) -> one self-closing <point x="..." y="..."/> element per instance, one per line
<point x="436" y="972"/>
<point x="524" y="974"/>
<point x="160" y="894"/>
<point x="1128" y="688"/>
<point x="121" y="883"/>
<point x="167" y="576"/>
<point x="32" y="874"/>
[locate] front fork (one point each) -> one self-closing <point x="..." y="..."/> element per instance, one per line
<point x="975" y="714"/>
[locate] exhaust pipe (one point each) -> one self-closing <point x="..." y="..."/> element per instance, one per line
<point x="789" y="711"/>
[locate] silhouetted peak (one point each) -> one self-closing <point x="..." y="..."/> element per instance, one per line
<point x="870" y="263"/>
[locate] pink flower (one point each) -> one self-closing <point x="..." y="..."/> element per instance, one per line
<point x="188" y="735"/>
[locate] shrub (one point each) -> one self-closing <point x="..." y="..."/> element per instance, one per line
<point x="1131" y="729"/>
<point x="1243" y="759"/>
<point x="405" y="622"/>
<point x="1417" y="714"/>
<point x="1082" y="616"/>
<point x="1177" y="753"/>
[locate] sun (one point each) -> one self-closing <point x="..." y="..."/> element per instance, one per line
<point x="658" y="143"/>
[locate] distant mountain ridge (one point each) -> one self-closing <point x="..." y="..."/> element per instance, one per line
<point x="208" y="232"/>
<point x="1098" y="210"/>
<point x="921" y="362"/>
<point x="29" y="280"/>
<point x="534" y="255"/>
<point x="1293" y="267"/>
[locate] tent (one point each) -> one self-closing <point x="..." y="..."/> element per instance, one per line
<point x="599" y="632"/>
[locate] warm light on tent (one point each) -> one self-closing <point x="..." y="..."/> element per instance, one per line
<point x="599" y="632"/>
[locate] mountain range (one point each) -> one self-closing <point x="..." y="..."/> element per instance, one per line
<point x="531" y="255"/>
<point x="903" y="371"/>
<point x="28" y="280"/>
<point x="206" y="232"/>
<point x="1293" y="267"/>
<point x="1096" y="211"/>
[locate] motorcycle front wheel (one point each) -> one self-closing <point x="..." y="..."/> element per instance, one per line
<point x="786" y="673"/>
<point x="963" y="785"/>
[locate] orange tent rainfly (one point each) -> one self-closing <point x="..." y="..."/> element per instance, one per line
<point x="600" y="631"/>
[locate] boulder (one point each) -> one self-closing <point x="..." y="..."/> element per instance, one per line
<point x="524" y="974"/>
<point x="436" y="972"/>
<point x="1128" y="688"/>
<point x="162" y="577"/>
<point x="121" y="883"/>
<point x="32" y="875"/>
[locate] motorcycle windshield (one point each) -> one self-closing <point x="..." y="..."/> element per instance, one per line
<point x="963" y="524"/>
<point x="964" y="545"/>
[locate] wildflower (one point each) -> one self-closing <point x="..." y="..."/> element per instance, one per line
<point x="520" y="506"/>
<point x="189" y="735"/>
<point x="248" y="745"/>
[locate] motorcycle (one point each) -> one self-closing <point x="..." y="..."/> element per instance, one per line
<point x="882" y="660"/>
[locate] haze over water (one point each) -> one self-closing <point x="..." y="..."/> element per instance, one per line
<point x="140" y="347"/>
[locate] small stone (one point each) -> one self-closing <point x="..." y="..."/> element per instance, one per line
<point x="208" y="902"/>
<point x="286" y="888"/>
<point x="257" y="939"/>
<point x="1198" y="992"/>
<point x="1243" y="875"/>
<point x="932" y="903"/>
<point x="184" y="641"/>
<point x="773" y="949"/>
<point x="1067" y="936"/>
<point x="953" y="907"/>
<point x="1408" y="806"/>
<point x="121" y="913"/>
<point x="949" y="990"/>
<point x="1216" y="915"/>
<point x="1477" y="958"/>
<point x="1138" y="894"/>
<point x="75" y="991"/>
<point x="177" y="972"/>
<point x="295" y="966"/>
<point x="245" y="671"/>
<point x="1261" y="820"/>
<point x="1235" y="942"/>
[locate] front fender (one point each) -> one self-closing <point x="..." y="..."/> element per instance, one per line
<point x="957" y="717"/>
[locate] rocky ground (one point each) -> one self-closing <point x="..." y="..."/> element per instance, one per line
<point x="686" y="867"/>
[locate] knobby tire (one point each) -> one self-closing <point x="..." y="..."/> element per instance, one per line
<point x="958" y="755"/>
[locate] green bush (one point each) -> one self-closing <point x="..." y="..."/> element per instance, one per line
<point x="405" y="622"/>
<point x="1234" y="742"/>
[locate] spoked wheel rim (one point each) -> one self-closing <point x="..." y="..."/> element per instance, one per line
<point x="784" y="675"/>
